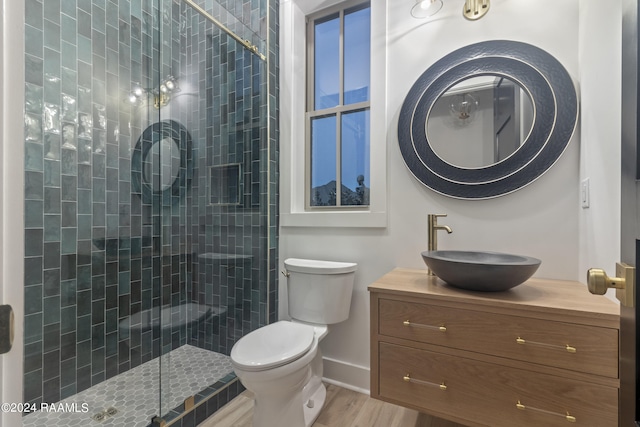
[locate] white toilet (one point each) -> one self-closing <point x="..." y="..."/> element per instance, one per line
<point x="281" y="362"/>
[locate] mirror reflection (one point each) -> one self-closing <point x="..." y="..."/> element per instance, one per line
<point x="480" y="121"/>
<point x="162" y="164"/>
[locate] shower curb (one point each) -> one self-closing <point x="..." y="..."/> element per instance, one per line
<point x="206" y="404"/>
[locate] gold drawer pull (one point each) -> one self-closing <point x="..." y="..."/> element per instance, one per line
<point x="408" y="379"/>
<point x="567" y="347"/>
<point x="569" y="418"/>
<point x="440" y="328"/>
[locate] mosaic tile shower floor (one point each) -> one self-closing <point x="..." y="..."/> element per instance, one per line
<point x="187" y="370"/>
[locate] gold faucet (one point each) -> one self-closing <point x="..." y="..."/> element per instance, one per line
<point x="433" y="228"/>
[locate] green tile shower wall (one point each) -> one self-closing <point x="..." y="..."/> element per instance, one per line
<point x="230" y="270"/>
<point x="80" y="61"/>
<point x="81" y="58"/>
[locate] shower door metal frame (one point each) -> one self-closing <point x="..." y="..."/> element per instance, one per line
<point x="246" y="43"/>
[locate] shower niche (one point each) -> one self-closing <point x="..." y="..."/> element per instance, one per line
<point x="226" y="185"/>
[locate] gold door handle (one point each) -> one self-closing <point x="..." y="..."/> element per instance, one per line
<point x="440" y="328"/>
<point x="407" y="378"/>
<point x="570" y="418"/>
<point x="625" y="283"/>
<point x="567" y="347"/>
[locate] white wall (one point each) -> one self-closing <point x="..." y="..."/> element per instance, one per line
<point x="541" y="220"/>
<point x="600" y="76"/>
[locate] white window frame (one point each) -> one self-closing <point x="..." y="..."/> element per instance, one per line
<point x="294" y="211"/>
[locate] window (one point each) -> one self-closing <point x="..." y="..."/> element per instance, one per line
<point x="297" y="30"/>
<point x="338" y="108"/>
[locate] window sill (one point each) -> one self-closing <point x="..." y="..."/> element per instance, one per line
<point x="354" y="219"/>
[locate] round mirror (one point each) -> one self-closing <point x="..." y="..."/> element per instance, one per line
<point x="480" y="121"/>
<point x="544" y="135"/>
<point x="161" y="164"/>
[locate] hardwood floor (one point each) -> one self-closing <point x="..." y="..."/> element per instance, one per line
<point x="343" y="408"/>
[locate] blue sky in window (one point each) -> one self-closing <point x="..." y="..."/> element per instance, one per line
<point x="355" y="126"/>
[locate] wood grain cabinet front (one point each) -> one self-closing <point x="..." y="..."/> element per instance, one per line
<point x="496" y="360"/>
<point x="565" y="345"/>
<point x="497" y="396"/>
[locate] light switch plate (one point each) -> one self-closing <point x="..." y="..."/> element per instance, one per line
<point x="584" y="193"/>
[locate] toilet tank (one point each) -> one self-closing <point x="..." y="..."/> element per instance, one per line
<point x="319" y="291"/>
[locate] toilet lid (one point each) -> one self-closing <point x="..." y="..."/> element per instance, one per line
<point x="272" y="346"/>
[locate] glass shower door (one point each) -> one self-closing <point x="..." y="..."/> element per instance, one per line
<point x="215" y="227"/>
<point x="150" y="201"/>
<point x="93" y="228"/>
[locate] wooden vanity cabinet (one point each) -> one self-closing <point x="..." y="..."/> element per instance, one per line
<point x="542" y="354"/>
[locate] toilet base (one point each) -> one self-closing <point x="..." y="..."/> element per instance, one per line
<point x="273" y="410"/>
<point x="313" y="405"/>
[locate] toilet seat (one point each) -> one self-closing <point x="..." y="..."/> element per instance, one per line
<point x="273" y="345"/>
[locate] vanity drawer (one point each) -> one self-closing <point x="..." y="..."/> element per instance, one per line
<point x="570" y="346"/>
<point x="488" y="394"/>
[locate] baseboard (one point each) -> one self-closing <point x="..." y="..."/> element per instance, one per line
<point x="346" y="375"/>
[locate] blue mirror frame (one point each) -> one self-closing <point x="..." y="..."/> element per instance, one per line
<point x="555" y="102"/>
<point x="151" y="136"/>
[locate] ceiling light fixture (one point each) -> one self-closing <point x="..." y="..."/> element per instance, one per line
<point x="425" y="8"/>
<point x="463" y="109"/>
<point x="471" y="10"/>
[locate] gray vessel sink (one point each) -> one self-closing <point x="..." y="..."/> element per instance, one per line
<point x="481" y="271"/>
